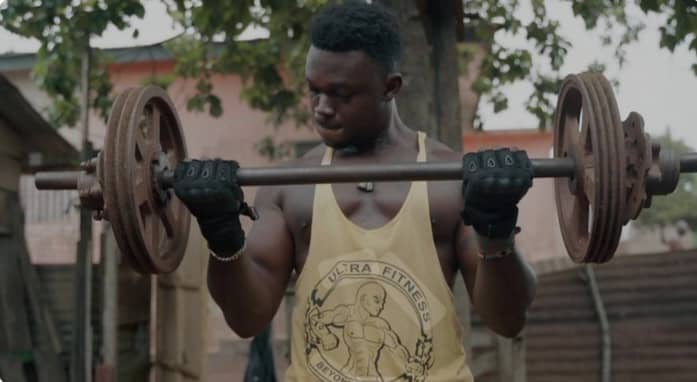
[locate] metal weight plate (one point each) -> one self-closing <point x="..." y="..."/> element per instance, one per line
<point x="153" y="222"/>
<point x="590" y="205"/>
<point x="120" y="165"/>
<point x="639" y="159"/>
<point x="112" y="211"/>
<point x="609" y="124"/>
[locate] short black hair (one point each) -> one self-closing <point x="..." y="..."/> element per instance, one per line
<point x="357" y="25"/>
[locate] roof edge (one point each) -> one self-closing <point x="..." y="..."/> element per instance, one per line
<point x="132" y="54"/>
<point x="35" y="132"/>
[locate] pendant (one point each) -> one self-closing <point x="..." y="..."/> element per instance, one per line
<point x="365" y="186"/>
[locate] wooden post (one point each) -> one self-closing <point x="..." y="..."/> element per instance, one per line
<point x="504" y="350"/>
<point x="81" y="357"/>
<point x="511" y="359"/>
<point x="446" y="92"/>
<point x="15" y="331"/>
<point x="606" y="341"/>
<point x="110" y="266"/>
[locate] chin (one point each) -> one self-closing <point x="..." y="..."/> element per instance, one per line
<point x="337" y="145"/>
<point x="335" y="141"/>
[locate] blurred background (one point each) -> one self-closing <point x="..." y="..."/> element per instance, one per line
<point x="478" y="73"/>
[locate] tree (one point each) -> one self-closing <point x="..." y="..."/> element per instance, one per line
<point x="682" y="203"/>
<point x="433" y="32"/>
<point x="64" y="28"/>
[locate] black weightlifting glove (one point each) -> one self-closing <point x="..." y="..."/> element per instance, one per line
<point x="494" y="181"/>
<point x="210" y="191"/>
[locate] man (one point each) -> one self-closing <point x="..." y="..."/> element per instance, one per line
<point x="410" y="238"/>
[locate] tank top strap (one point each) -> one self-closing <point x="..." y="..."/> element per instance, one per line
<point x="327" y="158"/>
<point x="421" y="157"/>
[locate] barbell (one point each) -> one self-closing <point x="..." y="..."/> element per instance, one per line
<point x="605" y="171"/>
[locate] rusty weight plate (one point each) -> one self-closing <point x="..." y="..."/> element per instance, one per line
<point x="112" y="211"/>
<point x="639" y="159"/>
<point x="154" y="222"/>
<point x="590" y="205"/>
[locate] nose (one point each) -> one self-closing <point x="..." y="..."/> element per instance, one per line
<point x="323" y="107"/>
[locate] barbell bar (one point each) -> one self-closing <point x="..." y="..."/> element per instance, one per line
<point x="424" y="171"/>
<point x="605" y="171"/>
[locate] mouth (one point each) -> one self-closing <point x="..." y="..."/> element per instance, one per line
<point x="327" y="127"/>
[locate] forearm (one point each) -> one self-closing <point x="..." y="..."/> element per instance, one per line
<point x="238" y="287"/>
<point x="504" y="289"/>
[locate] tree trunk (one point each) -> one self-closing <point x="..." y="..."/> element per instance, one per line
<point x="430" y="98"/>
<point x="415" y="101"/>
<point x="445" y="68"/>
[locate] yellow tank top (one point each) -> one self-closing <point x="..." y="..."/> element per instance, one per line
<point x="372" y="304"/>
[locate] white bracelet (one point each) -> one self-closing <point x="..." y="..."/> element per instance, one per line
<point x="234" y="257"/>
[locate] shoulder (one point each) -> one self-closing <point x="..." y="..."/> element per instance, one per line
<point x="445" y="196"/>
<point x="275" y="194"/>
<point x="440" y="152"/>
<point x="312" y="157"/>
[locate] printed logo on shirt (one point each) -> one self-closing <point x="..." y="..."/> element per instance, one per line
<point x="368" y="321"/>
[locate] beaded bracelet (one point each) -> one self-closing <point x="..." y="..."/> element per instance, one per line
<point x="234" y="257"/>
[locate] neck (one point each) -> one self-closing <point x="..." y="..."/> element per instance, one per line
<point x="395" y="133"/>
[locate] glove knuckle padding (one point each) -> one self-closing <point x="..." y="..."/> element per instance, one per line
<point x="494" y="181"/>
<point x="207" y="169"/>
<point x="210" y="191"/>
<point x="193" y="170"/>
<point x="470" y="163"/>
<point x="506" y="158"/>
<point x="489" y="159"/>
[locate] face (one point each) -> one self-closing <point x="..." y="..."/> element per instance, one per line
<point x="350" y="95"/>
<point x="373" y="301"/>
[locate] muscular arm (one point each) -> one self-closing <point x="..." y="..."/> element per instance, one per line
<point x="392" y="342"/>
<point x="249" y="290"/>
<point x="335" y="317"/>
<point x="501" y="290"/>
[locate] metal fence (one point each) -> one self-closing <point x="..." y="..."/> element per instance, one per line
<point x="44" y="206"/>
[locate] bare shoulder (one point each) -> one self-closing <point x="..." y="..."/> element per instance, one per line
<point x="440" y="152"/>
<point x="276" y="194"/>
<point x="445" y="196"/>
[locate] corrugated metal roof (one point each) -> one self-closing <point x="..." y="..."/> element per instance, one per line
<point x="651" y="302"/>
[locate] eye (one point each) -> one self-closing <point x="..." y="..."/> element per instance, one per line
<point x="343" y="96"/>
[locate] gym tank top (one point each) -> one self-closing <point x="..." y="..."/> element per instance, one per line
<point x="372" y="304"/>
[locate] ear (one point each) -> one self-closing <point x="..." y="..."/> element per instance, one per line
<point x="393" y="84"/>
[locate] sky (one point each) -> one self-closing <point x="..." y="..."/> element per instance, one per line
<point x="654" y="82"/>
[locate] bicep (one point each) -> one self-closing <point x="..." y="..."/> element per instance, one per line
<point x="270" y="243"/>
<point x="466" y="251"/>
